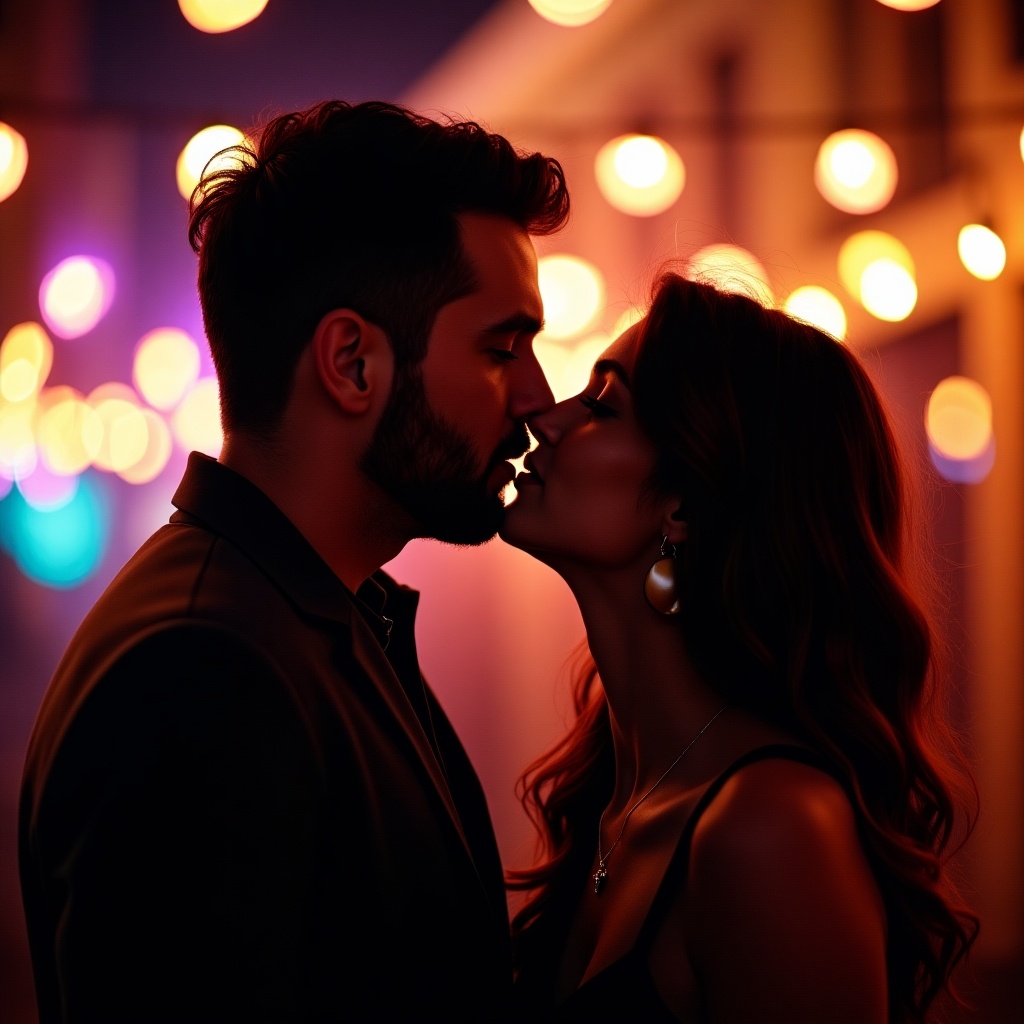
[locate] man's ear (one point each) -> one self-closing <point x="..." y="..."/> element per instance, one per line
<point x="353" y="360"/>
<point x="673" y="525"/>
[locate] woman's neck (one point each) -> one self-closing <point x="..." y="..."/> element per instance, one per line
<point x="657" y="701"/>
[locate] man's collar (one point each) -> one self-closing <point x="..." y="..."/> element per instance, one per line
<point x="233" y="507"/>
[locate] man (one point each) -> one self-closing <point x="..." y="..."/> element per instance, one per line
<point x="241" y="801"/>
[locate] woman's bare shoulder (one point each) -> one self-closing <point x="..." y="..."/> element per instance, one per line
<point x="781" y="891"/>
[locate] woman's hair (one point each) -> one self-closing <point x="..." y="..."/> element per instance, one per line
<point x="803" y="601"/>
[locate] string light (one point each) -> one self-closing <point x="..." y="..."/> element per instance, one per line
<point x="196" y="421"/>
<point x="573" y="293"/>
<point x="733" y="269"/>
<point x="981" y="251"/>
<point x="641" y="175"/>
<point x="888" y="290"/>
<point x="13" y="160"/>
<point x="76" y="294"/>
<point x="165" y="366"/>
<point x="571" y="13"/>
<point x="855" y="171"/>
<point x="204" y="153"/>
<point x="818" y="306"/>
<point x="220" y="15"/>
<point x="909" y="5"/>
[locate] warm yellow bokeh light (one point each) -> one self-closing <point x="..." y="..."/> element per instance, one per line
<point x="958" y="418"/>
<point x="125" y="430"/>
<point x="26" y="356"/>
<point x="626" y="319"/>
<point x="732" y="269"/>
<point x="641" y="175"/>
<point x="573" y="294"/>
<point x="818" y="306"/>
<point x="68" y="431"/>
<point x="567" y="367"/>
<point x="981" y="251"/>
<point x="887" y="290"/>
<point x="201" y="155"/>
<point x="855" y="171"/>
<point x="18" y="454"/>
<point x="13" y="160"/>
<point x="196" y="422"/>
<point x="220" y="15"/>
<point x="166" y="365"/>
<point x="157" y="454"/>
<point x="570" y="12"/>
<point x="862" y="249"/>
<point x="76" y="295"/>
<point x="908" y="5"/>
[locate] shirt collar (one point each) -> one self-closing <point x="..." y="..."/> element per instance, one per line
<point x="231" y="506"/>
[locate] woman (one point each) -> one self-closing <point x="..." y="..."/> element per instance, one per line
<point x="748" y="819"/>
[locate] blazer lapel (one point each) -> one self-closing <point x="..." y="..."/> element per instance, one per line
<point x="368" y="652"/>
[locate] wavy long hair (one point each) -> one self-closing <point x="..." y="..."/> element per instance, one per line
<point x="804" y="601"/>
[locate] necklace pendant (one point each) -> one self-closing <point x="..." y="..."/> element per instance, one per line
<point x="599" y="876"/>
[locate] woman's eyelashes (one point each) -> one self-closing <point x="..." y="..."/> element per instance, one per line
<point x="595" y="406"/>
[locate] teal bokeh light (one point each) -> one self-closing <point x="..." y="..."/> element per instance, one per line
<point x="63" y="547"/>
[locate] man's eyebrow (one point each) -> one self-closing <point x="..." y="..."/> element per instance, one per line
<point x="517" y="323"/>
<point x="605" y="366"/>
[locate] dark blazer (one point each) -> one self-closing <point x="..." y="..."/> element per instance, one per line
<point x="238" y="806"/>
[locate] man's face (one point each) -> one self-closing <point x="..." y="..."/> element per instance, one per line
<point x="442" y="443"/>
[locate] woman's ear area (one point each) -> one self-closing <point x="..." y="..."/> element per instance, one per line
<point x="353" y="360"/>
<point x="673" y="524"/>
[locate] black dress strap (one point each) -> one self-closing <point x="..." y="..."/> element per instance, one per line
<point x="675" y="876"/>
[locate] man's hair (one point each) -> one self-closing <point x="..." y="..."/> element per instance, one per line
<point x="347" y="206"/>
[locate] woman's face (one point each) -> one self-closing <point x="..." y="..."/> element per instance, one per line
<point x="583" y="499"/>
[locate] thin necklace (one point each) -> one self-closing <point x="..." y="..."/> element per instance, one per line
<point x="602" y="858"/>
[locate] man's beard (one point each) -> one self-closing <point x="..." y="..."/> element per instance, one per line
<point x="431" y="469"/>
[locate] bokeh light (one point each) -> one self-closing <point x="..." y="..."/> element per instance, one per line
<point x="201" y="154"/>
<point x="165" y="366"/>
<point x="981" y="251"/>
<point x="855" y="171"/>
<point x="45" y="490"/>
<point x="26" y="357"/>
<point x="627" y="318"/>
<point x="76" y="294"/>
<point x="571" y="13"/>
<point x="888" y="290"/>
<point x="68" y="431"/>
<point x="220" y="15"/>
<point x="958" y="418"/>
<point x="641" y="175"/>
<point x="573" y="294"/>
<point x="13" y="160"/>
<point x="908" y="5"/>
<point x="732" y="269"/>
<point x="818" y="306"/>
<point x="156" y="455"/>
<point x="862" y="249"/>
<point x="567" y="367"/>
<point x="18" y="455"/>
<point x="125" y="429"/>
<point x="196" y="421"/>
<point x="61" y="547"/>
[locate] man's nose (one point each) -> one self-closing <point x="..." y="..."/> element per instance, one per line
<point x="531" y="393"/>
